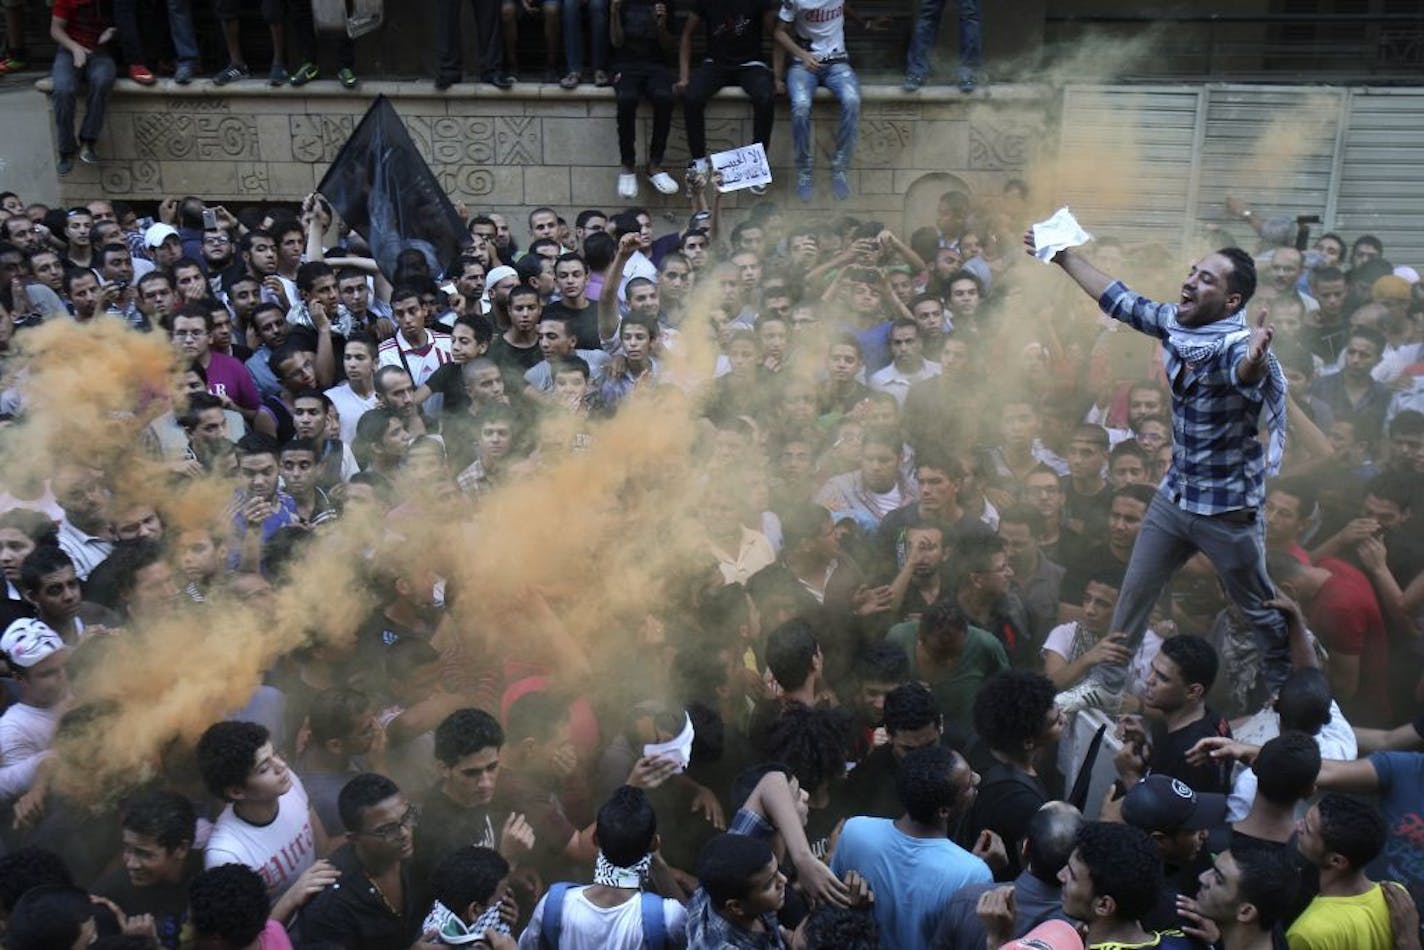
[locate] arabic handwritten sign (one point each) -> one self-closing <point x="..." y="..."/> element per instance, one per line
<point x="742" y="167"/>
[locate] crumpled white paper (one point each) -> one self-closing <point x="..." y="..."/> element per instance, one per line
<point x="1058" y="233"/>
<point x="678" y="749"/>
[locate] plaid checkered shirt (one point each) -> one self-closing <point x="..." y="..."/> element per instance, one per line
<point x="1218" y="463"/>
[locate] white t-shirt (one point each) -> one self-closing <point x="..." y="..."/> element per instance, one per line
<point x="1336" y="740"/>
<point x="891" y="380"/>
<point x="45" y="503"/>
<point x="279" y="851"/>
<point x="588" y="927"/>
<point x="1060" y="641"/>
<point x="25" y="735"/>
<point x="819" y="22"/>
<point x="349" y="408"/>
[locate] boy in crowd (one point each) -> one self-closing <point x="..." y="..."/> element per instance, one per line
<point x="267" y="823"/>
<point x="414" y="347"/>
<point x="741" y="889"/>
<point x="912" y="857"/>
<point x="374" y="904"/>
<point x="1339" y="836"/>
<point x="472" y="899"/>
<point x="615" y="911"/>
<point x="159" y="863"/>
<point x="1110" y="881"/>
<point x="460" y="810"/>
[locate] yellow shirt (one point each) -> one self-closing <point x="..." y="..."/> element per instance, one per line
<point x="1343" y="923"/>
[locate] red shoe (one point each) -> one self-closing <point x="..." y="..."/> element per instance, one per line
<point x="141" y="75"/>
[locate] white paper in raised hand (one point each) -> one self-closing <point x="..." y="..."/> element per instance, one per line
<point x="1058" y="233"/>
<point x="678" y="749"/>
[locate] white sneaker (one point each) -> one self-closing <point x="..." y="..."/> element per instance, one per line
<point x="627" y="185"/>
<point x="1089" y="693"/>
<point x="663" y="182"/>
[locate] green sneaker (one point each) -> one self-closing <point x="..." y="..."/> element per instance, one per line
<point x="305" y="73"/>
<point x="347" y="77"/>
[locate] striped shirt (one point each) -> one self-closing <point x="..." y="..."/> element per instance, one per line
<point x="1218" y="463"/>
<point x="85" y="550"/>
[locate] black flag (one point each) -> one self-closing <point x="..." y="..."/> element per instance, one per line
<point x="384" y="190"/>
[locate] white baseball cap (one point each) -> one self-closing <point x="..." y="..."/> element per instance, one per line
<point x="158" y="233"/>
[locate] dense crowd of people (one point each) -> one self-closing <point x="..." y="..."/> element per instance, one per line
<point x="737" y="586"/>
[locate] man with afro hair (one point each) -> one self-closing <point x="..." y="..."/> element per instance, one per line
<point x="1016" y="718"/>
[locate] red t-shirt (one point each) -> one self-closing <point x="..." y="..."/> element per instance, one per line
<point x="83" y="21"/>
<point x="1346" y="616"/>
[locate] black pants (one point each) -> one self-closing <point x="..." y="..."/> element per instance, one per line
<point x="706" y="80"/>
<point x="448" y="43"/>
<point x="636" y="81"/>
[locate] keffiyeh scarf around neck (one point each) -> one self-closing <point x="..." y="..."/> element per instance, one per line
<point x="608" y="874"/>
<point x="1193" y="345"/>
<point x="451" y="930"/>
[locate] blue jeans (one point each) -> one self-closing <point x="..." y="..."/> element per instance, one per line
<point x="1236" y="548"/>
<point x="99" y="71"/>
<point x="573" y="33"/>
<point x="801" y="85"/>
<point x="971" y="50"/>
<point x="185" y="36"/>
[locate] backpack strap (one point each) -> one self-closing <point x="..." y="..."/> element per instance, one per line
<point x="654" y="923"/>
<point x="551" y="923"/>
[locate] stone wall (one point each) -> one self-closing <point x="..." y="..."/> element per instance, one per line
<point x="510" y="152"/>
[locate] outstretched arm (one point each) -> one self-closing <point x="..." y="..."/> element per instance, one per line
<point x="1251" y="368"/>
<point x="1076" y="266"/>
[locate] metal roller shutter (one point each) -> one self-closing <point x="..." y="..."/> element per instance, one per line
<point x="1380" y="188"/>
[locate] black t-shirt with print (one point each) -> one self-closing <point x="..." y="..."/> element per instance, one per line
<point x="445" y="827"/>
<point x="1169" y="754"/>
<point x="733" y="29"/>
<point x="167" y="903"/>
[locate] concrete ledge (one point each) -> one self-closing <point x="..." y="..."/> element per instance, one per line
<point x="536" y="144"/>
<point x="543" y="92"/>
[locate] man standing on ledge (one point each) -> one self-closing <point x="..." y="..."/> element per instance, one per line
<point x="1222" y="374"/>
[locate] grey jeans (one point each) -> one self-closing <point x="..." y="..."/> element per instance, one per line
<point x="1236" y="546"/>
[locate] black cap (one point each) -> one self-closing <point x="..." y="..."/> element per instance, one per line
<point x="1162" y="803"/>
